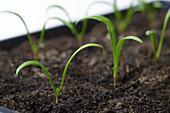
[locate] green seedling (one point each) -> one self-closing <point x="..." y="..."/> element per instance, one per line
<point x="121" y="22"/>
<point x="115" y="48"/>
<point x="36" y="63"/>
<point x="35" y="47"/>
<point x="153" y="39"/>
<point x="149" y="9"/>
<point x="70" y="24"/>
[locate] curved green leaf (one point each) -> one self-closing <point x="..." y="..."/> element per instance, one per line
<point x="110" y="28"/>
<point x="149" y="32"/>
<point x="66" y="67"/>
<point x="120" y="44"/>
<point x="28" y="33"/>
<point x="152" y="35"/>
<point x="69" y="25"/>
<point x="61" y="8"/>
<point x="36" y="63"/>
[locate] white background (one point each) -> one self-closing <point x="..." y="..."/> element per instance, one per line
<point x="33" y="12"/>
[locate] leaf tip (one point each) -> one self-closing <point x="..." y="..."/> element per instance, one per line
<point x="149" y="32"/>
<point x="17" y="71"/>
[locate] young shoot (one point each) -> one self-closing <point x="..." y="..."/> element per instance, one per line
<point x="36" y="63"/>
<point x="149" y="9"/>
<point x="121" y="22"/>
<point x="115" y="48"/>
<point x="152" y="35"/>
<point x="35" y="47"/>
<point x="70" y="24"/>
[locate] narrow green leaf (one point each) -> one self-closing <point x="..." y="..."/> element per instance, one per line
<point x="152" y="35"/>
<point x="36" y="63"/>
<point x="41" y="36"/>
<point x="42" y="33"/>
<point x="61" y="8"/>
<point x="66" y="67"/>
<point x="119" y="47"/>
<point x="163" y="32"/>
<point x="69" y="25"/>
<point x="110" y="28"/>
<point x="149" y="32"/>
<point x="83" y="30"/>
<point x="82" y="33"/>
<point x="28" y="33"/>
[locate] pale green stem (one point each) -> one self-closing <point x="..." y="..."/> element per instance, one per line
<point x="114" y="76"/>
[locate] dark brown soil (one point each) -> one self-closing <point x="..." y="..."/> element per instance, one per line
<point x="142" y="85"/>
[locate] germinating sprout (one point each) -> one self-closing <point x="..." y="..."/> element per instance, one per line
<point x="70" y="24"/>
<point x="115" y="48"/>
<point x="35" y="47"/>
<point x="149" y="9"/>
<point x="153" y="39"/>
<point x="121" y="22"/>
<point x="36" y="63"/>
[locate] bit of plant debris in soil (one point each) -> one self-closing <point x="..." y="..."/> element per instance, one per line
<point x="142" y="85"/>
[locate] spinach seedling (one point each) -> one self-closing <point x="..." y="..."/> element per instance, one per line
<point x="36" y="63"/>
<point x="149" y="9"/>
<point x="121" y="22"/>
<point x="70" y="24"/>
<point x="115" y="48"/>
<point x="152" y="37"/>
<point x="35" y="47"/>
